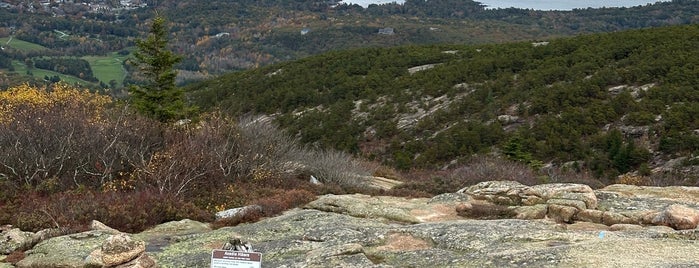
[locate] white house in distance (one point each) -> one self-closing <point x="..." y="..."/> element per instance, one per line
<point x="386" y="31"/>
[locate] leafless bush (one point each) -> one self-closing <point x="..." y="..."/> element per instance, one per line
<point x="266" y="150"/>
<point x="181" y="165"/>
<point x="269" y="149"/>
<point x="482" y="168"/>
<point x="221" y="139"/>
<point x="39" y="145"/>
<point x="200" y="157"/>
<point x="126" y="138"/>
<point x="58" y="148"/>
<point x="337" y="167"/>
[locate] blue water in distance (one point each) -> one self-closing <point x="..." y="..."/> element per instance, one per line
<point x="535" y="4"/>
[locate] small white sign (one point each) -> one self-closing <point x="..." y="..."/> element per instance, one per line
<point x="235" y="259"/>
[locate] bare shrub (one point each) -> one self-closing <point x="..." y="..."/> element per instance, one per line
<point x="267" y="150"/>
<point x="131" y="211"/>
<point x="337" y="167"/>
<point x="482" y="168"/>
<point x="271" y="152"/>
<point x="177" y="168"/>
<point x="63" y="138"/>
<point x="221" y="139"/>
<point x="194" y="159"/>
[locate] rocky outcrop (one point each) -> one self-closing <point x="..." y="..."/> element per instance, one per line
<point x="12" y="239"/>
<point x="512" y="193"/>
<point x="675" y="207"/>
<point x="678" y="217"/>
<point x="98" y="226"/>
<point x="556" y="225"/>
<point x="89" y="249"/>
<point x="237" y="212"/>
<point x="120" y="250"/>
<point x="64" y="251"/>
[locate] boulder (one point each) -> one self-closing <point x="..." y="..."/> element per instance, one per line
<point x="98" y="226"/>
<point x="511" y="193"/>
<point x="611" y="218"/>
<point x="589" y="215"/>
<point x="678" y="217"/>
<point x="567" y="191"/>
<point x="386" y="208"/>
<point x="579" y="205"/>
<point x="235" y="212"/>
<point x="162" y="235"/>
<point x="117" y="249"/>
<point x="63" y="251"/>
<point x="345" y="237"/>
<point x="507" y="193"/>
<point x="13" y="238"/>
<point x="561" y="213"/>
<point x="142" y="261"/>
<point x="534" y="212"/>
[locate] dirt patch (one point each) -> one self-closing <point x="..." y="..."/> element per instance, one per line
<point x="403" y="242"/>
<point x="435" y="213"/>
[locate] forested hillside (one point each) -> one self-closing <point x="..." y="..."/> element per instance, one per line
<point x="219" y="36"/>
<point x="609" y="103"/>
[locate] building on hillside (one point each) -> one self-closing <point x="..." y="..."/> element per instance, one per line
<point x="386" y="31"/>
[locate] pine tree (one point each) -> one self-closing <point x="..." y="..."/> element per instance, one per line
<point x="158" y="97"/>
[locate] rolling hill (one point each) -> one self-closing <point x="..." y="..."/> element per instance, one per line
<point x="610" y="103"/>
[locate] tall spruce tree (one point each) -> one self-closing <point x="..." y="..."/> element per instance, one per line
<point x="158" y="97"/>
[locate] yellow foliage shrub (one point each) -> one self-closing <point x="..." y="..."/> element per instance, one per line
<point x="69" y="99"/>
<point x="631" y="179"/>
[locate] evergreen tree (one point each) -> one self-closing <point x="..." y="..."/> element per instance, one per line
<point x="158" y="97"/>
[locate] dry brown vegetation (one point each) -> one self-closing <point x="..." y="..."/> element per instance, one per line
<point x="71" y="156"/>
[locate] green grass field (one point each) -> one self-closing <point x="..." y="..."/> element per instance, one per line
<point x="20" y="68"/>
<point x="20" y="45"/>
<point x="107" y="68"/>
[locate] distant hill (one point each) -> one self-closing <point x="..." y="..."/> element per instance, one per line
<point x="219" y="36"/>
<point x="611" y="103"/>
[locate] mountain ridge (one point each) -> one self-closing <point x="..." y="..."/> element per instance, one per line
<point x="219" y="36"/>
<point x="581" y="98"/>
